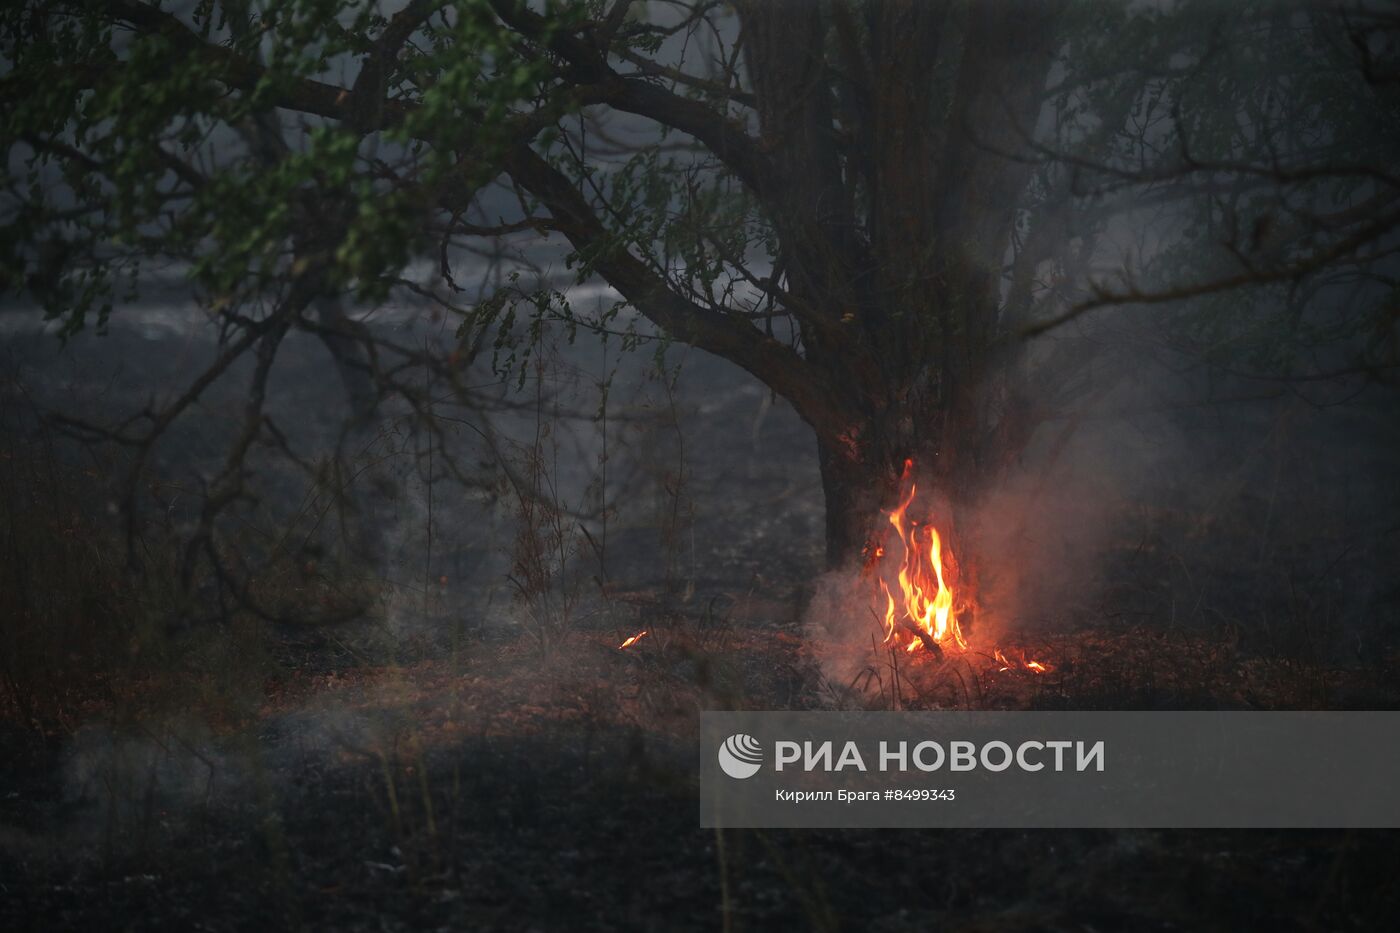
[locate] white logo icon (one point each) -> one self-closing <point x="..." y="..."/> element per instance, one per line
<point x="740" y="756"/>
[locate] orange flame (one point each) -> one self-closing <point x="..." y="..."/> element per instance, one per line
<point x="924" y="606"/>
<point x="631" y="641"/>
<point x="925" y="600"/>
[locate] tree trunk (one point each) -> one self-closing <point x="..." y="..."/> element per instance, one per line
<point x="861" y="484"/>
<point x="855" y="492"/>
<point x="893" y="235"/>
<point x="957" y="451"/>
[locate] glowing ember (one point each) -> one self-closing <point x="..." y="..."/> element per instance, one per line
<point x="632" y="641"/>
<point x="1009" y="665"/>
<point x="920" y="611"/>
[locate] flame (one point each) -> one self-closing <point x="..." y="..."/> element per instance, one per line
<point x="923" y="606"/>
<point x="631" y="641"/>
<point x="1009" y="665"/>
<point x="925" y="597"/>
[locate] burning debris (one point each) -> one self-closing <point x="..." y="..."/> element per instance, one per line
<point x="1024" y="664"/>
<point x="921" y="611"/>
<point x="633" y="640"/>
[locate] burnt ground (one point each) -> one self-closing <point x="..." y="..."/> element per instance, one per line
<point x="446" y="764"/>
<point x="520" y="790"/>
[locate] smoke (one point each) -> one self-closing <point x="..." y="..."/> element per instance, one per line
<point x="144" y="783"/>
<point x="132" y="788"/>
<point x="1046" y="533"/>
<point x="841" y="630"/>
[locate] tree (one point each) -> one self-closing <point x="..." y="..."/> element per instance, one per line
<point x="870" y="207"/>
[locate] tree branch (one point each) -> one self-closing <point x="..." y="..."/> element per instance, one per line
<point x="725" y="335"/>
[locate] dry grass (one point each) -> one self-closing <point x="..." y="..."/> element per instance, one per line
<point x="74" y="619"/>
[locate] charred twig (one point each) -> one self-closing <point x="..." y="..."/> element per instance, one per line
<point x="924" y="637"/>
